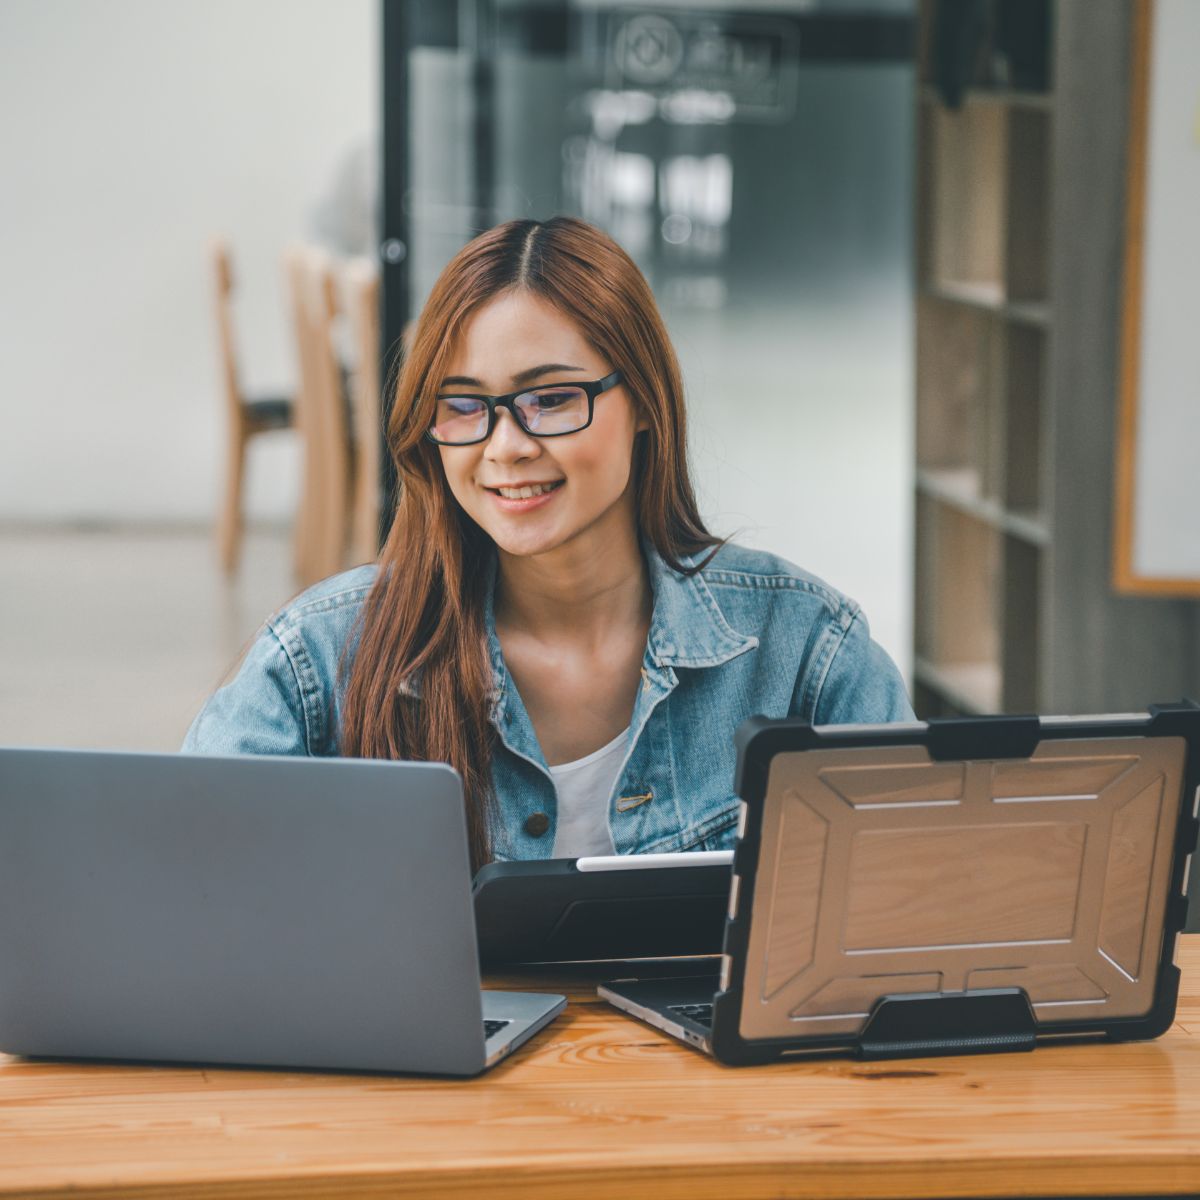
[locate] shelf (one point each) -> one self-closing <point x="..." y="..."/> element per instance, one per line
<point x="1009" y="97"/>
<point x="983" y="207"/>
<point x="959" y="563"/>
<point x="980" y="414"/>
<point x="979" y="598"/>
<point x="973" y="688"/>
<point x="989" y="298"/>
<point x="958" y="487"/>
<point x="955" y="358"/>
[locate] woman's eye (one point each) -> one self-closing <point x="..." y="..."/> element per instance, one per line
<point x="462" y="406"/>
<point x="547" y="401"/>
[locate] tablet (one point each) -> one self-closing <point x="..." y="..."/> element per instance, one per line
<point x="615" y="907"/>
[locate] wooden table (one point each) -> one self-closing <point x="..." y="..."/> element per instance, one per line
<point x="599" y="1105"/>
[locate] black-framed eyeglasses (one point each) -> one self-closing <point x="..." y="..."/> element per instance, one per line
<point x="548" y="410"/>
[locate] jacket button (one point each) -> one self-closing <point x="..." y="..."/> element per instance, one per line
<point x="537" y="825"/>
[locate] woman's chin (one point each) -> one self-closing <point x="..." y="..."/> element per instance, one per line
<point x="525" y="543"/>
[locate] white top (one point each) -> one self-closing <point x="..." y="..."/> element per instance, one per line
<point x="583" y="788"/>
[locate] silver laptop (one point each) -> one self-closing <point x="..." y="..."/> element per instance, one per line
<point x="254" y="910"/>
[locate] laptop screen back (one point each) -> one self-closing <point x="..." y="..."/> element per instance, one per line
<point x="891" y="873"/>
<point x="278" y="911"/>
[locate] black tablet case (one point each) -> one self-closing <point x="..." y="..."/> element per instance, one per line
<point x="894" y="932"/>
<point x="548" y="911"/>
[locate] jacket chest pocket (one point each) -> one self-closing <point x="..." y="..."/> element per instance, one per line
<point x="718" y="831"/>
<point x="712" y="827"/>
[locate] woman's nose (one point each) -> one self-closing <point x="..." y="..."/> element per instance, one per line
<point x="509" y="441"/>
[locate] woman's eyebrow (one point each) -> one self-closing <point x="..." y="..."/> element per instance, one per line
<point x="546" y="369"/>
<point x="520" y="378"/>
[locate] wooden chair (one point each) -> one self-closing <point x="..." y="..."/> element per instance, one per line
<point x="338" y="413"/>
<point x="361" y="285"/>
<point x="322" y="417"/>
<point x="246" y="416"/>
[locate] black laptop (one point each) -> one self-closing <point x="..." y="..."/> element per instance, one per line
<point x="967" y="885"/>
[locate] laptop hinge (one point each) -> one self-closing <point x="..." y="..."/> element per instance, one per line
<point x="929" y="1023"/>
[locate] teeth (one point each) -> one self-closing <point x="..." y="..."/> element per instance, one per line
<point x="525" y="493"/>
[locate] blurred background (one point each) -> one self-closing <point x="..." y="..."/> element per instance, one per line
<point x="930" y="269"/>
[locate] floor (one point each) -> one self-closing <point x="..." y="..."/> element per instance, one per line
<point x="113" y="637"/>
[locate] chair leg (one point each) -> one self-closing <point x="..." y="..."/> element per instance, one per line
<point x="326" y="488"/>
<point x="364" y="524"/>
<point x="329" y="541"/>
<point x="302" y="532"/>
<point x="310" y="553"/>
<point x="229" y="522"/>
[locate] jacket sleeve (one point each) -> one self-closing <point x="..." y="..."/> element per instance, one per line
<point x="862" y="686"/>
<point x="262" y="711"/>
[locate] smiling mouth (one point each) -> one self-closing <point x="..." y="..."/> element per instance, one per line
<point x="528" y="490"/>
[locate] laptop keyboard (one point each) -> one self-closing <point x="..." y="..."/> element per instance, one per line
<point x="700" y="1013"/>
<point x="490" y="1027"/>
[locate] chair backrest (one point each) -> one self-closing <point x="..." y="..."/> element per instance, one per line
<point x="320" y="413"/>
<point x="222" y="274"/>
<point x="361" y="281"/>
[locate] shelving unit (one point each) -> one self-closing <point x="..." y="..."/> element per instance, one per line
<point x="1020" y="238"/>
<point x="984" y="317"/>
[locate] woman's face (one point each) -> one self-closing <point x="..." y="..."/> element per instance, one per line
<point x="588" y="472"/>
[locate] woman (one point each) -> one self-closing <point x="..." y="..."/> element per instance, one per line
<point x="549" y="614"/>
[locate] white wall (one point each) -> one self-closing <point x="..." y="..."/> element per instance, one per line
<point x="816" y="468"/>
<point x="130" y="132"/>
<point x="1166" y="534"/>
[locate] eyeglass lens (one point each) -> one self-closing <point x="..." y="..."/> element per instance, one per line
<point x="543" y="412"/>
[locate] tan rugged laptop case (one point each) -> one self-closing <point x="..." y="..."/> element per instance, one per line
<point x="981" y="884"/>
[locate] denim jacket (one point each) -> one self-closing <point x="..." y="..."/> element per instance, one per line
<point x="749" y="634"/>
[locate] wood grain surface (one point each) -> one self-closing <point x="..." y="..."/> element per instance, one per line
<point x="601" y="1105"/>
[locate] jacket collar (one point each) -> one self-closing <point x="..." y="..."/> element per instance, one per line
<point x="687" y="626"/>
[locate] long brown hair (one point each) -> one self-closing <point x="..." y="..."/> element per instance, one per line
<point x="420" y="685"/>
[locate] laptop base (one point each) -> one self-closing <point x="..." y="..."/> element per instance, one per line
<point x="522" y="1014"/>
<point x="658" y="1002"/>
<point x="914" y="1025"/>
